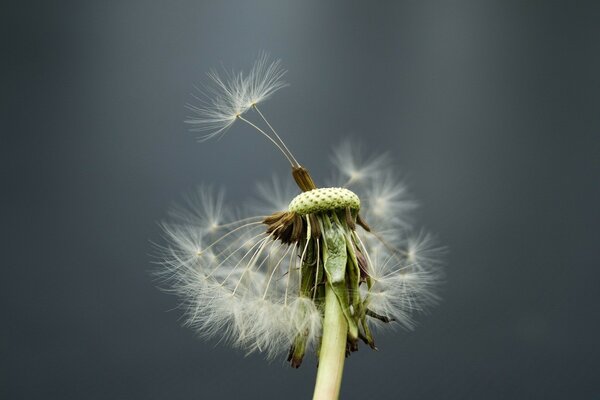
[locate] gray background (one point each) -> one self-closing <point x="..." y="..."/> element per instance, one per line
<point x="490" y="109"/>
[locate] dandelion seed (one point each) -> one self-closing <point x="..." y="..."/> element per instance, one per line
<point x="353" y="169"/>
<point x="227" y="98"/>
<point x="315" y="268"/>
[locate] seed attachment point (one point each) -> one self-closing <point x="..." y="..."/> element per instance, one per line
<point x="324" y="199"/>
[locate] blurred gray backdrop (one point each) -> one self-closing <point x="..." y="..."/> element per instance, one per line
<point x="491" y="110"/>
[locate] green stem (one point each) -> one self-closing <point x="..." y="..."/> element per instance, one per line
<point x="333" y="349"/>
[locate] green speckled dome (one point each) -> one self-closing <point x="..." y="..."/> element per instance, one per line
<point x="324" y="199"/>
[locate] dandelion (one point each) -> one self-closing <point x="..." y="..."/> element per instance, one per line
<point x="317" y="268"/>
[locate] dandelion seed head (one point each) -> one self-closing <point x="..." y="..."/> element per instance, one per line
<point x="242" y="286"/>
<point x="256" y="277"/>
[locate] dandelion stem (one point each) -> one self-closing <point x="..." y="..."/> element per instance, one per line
<point x="333" y="349"/>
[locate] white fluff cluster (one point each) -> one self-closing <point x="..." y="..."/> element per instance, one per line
<point x="404" y="266"/>
<point x="240" y="285"/>
<point x="384" y="197"/>
<point x="231" y="94"/>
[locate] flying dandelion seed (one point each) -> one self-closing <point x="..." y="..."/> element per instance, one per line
<point x="319" y="269"/>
